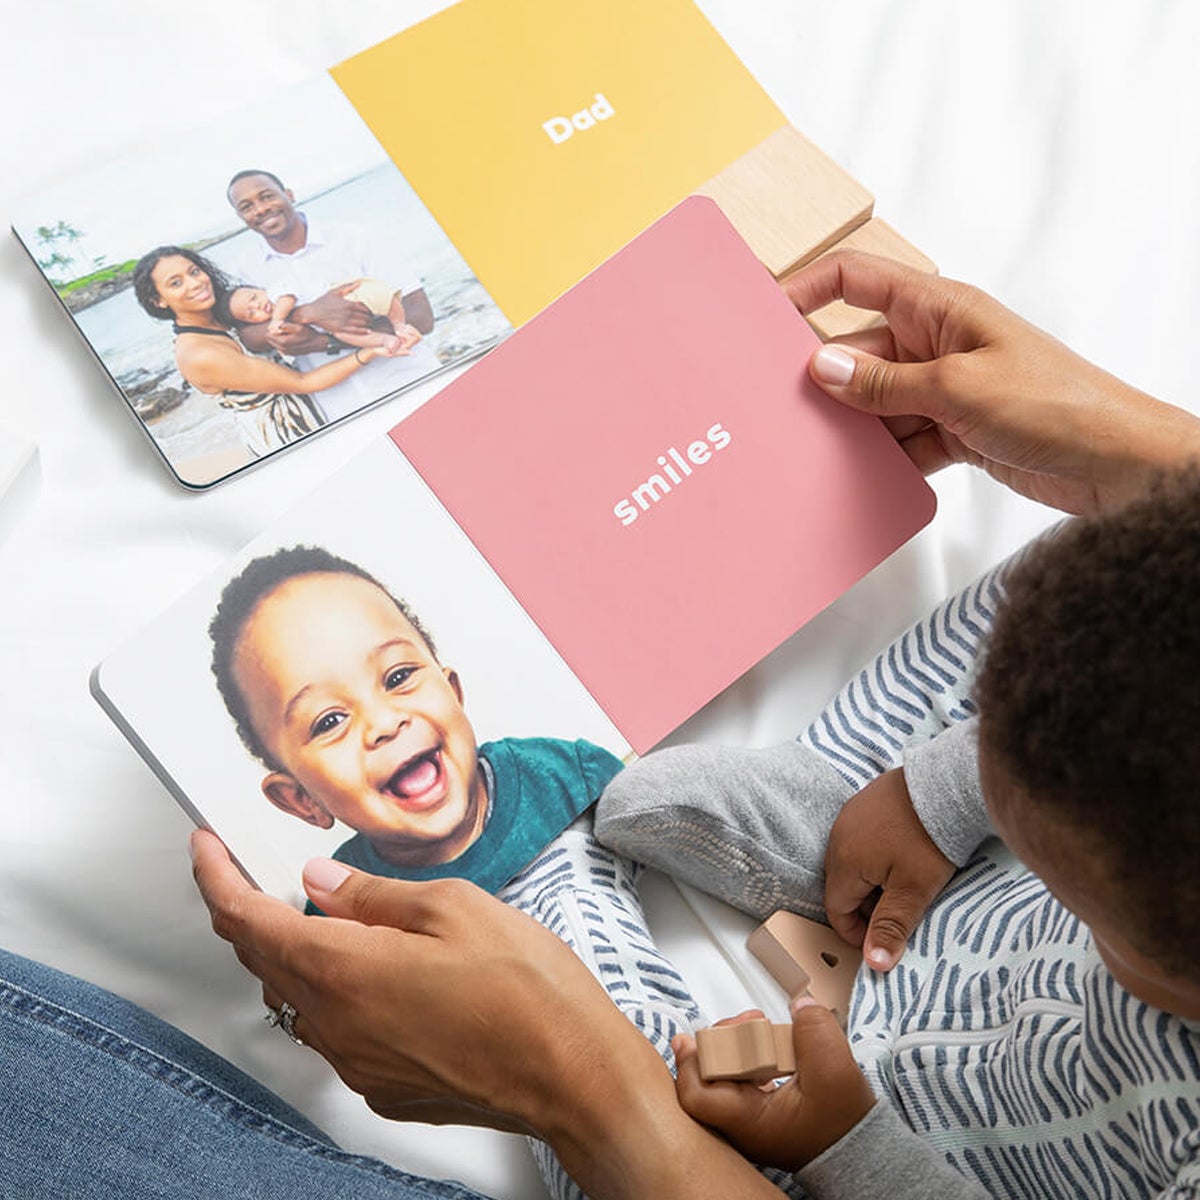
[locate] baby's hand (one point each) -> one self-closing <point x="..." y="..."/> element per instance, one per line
<point x="789" y="1125"/>
<point x="275" y="327"/>
<point x="882" y="870"/>
<point x="409" y="336"/>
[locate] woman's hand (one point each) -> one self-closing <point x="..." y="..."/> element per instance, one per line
<point x="435" y="1001"/>
<point x="960" y="378"/>
<point x="441" y="1004"/>
<point x="790" y="1125"/>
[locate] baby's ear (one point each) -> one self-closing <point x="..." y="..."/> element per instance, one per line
<point x="286" y="794"/>
<point x="453" y="680"/>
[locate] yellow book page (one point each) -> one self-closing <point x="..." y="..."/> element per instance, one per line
<point x="544" y="135"/>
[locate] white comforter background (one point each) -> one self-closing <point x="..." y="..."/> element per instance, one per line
<point x="1047" y="152"/>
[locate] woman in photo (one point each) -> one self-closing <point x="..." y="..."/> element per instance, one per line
<point x="269" y="400"/>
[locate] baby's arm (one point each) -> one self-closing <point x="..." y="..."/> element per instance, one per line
<point x="280" y="311"/>
<point x="823" y="1123"/>
<point x="373" y="338"/>
<point x="897" y="842"/>
<point x="409" y="335"/>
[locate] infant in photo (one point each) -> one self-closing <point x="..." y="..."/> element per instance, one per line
<point x="335" y="686"/>
<point x="389" y="331"/>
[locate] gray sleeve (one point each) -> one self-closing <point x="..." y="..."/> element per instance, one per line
<point x="747" y="826"/>
<point x="881" y="1158"/>
<point x="943" y="780"/>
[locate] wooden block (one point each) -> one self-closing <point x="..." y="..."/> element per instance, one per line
<point x="804" y="955"/>
<point x="789" y="200"/>
<point x="875" y="237"/>
<point x="750" y="1052"/>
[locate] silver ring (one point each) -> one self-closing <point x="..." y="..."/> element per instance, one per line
<point x="285" y="1017"/>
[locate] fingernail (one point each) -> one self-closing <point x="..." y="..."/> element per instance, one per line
<point x="805" y="1001"/>
<point x="879" y="959"/>
<point x="325" y="875"/>
<point x="192" y="845"/>
<point x="831" y="364"/>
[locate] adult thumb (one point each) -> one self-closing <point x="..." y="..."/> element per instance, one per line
<point x="341" y="891"/>
<point x="870" y="384"/>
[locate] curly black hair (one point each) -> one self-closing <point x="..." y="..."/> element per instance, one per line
<point x="146" y="291"/>
<point x="243" y="594"/>
<point x="1089" y="699"/>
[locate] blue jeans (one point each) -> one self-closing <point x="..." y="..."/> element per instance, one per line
<point x="100" y="1099"/>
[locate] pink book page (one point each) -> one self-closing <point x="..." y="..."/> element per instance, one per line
<point x="649" y="469"/>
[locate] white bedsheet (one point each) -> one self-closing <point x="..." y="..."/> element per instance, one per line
<point x="1047" y="152"/>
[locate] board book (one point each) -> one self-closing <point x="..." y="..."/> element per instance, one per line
<point x="601" y="524"/>
<point x="549" y="134"/>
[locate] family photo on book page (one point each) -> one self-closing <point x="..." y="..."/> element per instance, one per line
<point x="243" y="292"/>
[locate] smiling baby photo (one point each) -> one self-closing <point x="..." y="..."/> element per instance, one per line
<point x="336" y="688"/>
<point x="365" y="689"/>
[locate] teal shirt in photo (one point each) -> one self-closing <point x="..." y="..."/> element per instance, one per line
<point x="539" y="786"/>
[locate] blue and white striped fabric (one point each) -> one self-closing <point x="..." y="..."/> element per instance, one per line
<point x="914" y="689"/>
<point x="587" y="896"/>
<point x="1001" y="1037"/>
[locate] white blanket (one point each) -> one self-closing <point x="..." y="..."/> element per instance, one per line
<point x="1048" y="153"/>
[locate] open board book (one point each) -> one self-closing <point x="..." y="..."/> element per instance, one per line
<point x="600" y="525"/>
<point x="470" y="169"/>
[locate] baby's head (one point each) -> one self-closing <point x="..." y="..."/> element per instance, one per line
<point x="1089" y="699"/>
<point x="247" y="306"/>
<point x="336" y="688"/>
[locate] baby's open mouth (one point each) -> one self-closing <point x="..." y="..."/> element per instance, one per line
<point x="417" y="784"/>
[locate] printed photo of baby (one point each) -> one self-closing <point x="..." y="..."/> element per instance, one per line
<point x="335" y="686"/>
<point x="389" y="331"/>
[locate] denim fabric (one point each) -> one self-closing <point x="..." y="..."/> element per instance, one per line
<point x="100" y="1099"/>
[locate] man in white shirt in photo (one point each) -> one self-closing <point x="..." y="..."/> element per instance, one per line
<point x="311" y="260"/>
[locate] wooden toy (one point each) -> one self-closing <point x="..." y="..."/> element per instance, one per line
<point x="806" y="956"/>
<point x="874" y="237"/>
<point x="789" y="200"/>
<point x="753" y="1051"/>
<point x="792" y="204"/>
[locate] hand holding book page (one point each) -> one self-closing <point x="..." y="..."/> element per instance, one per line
<point x="519" y="1022"/>
<point x="960" y="378"/>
